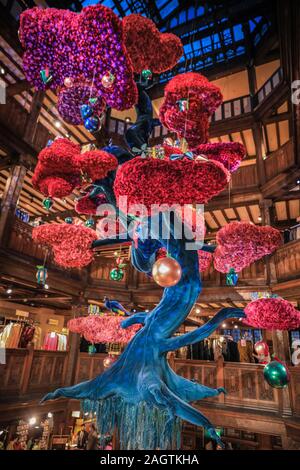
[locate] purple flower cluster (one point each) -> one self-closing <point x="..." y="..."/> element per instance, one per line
<point x="71" y="98"/>
<point x="88" y="44"/>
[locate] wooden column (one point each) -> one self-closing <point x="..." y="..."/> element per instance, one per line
<point x="282" y="351"/>
<point x="288" y="14"/>
<point x="258" y="140"/>
<point x="73" y="350"/>
<point x="31" y="123"/>
<point x="266" y="214"/>
<point x="9" y="201"/>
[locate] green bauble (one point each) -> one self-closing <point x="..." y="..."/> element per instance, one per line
<point x="276" y="374"/>
<point x="48" y="203"/>
<point x="92" y="349"/>
<point x="89" y="223"/>
<point x="146" y="74"/>
<point x="116" y="274"/>
<point x="69" y="220"/>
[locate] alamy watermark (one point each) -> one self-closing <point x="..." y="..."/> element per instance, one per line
<point x="161" y="221"/>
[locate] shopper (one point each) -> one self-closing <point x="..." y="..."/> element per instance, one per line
<point x="82" y="437"/>
<point x="92" y="441"/>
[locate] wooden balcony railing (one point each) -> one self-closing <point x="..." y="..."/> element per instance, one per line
<point x="280" y="161"/>
<point x="244" y="383"/>
<point x="20" y="241"/>
<point x="28" y="372"/>
<point x="268" y="87"/>
<point x="31" y="373"/>
<point x="287" y="261"/>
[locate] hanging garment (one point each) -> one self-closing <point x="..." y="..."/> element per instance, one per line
<point x="26" y="336"/>
<point x="4" y="336"/>
<point x="50" y="342"/>
<point x="62" y="342"/>
<point x="232" y="351"/>
<point x="37" y="338"/>
<point x="14" y="337"/>
<point x="245" y="348"/>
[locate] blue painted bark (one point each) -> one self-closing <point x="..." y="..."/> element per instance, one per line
<point x="141" y="383"/>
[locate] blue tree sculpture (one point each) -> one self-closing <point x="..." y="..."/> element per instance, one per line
<point x="140" y="394"/>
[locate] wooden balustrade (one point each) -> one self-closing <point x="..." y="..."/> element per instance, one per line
<point x="287" y="261"/>
<point x="15" y="117"/>
<point x="280" y="161"/>
<point x="20" y="241"/>
<point x="268" y="87"/>
<point x="29" y="371"/>
<point x="101" y="268"/>
<point x="89" y="366"/>
<point x="244" y="383"/>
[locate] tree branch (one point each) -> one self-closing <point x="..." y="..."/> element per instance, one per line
<point x="203" y="332"/>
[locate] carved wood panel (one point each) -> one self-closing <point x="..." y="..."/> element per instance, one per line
<point x="11" y="373"/>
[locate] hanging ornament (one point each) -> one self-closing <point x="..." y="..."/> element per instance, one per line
<point x="166" y="272"/>
<point x="183" y="104"/>
<point x="108" y="80"/>
<point x="156" y="152"/>
<point x="276" y="374"/>
<point x="48" y="203"/>
<point x="146" y="74"/>
<point x="93" y="101"/>
<point x="50" y="142"/>
<point x="231" y="278"/>
<point x="45" y="76"/>
<point x="261" y="348"/>
<point x="86" y="111"/>
<point x="169" y="141"/>
<point x="92" y="124"/>
<point x="68" y="82"/>
<point x="108" y="361"/>
<point x="92" y="349"/>
<point x="89" y="223"/>
<point x="116" y="274"/>
<point x="41" y="275"/>
<point x="69" y="220"/>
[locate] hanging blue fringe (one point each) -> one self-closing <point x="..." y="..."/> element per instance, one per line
<point x="139" y="426"/>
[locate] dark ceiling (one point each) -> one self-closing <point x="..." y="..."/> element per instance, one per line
<point x="214" y="33"/>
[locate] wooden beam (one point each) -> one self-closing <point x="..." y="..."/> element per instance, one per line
<point x="17" y="88"/>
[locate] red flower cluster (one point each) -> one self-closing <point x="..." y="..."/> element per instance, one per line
<point x="88" y="206"/>
<point x="204" y="258"/>
<point x="73" y="45"/>
<point x="242" y="243"/>
<point x="60" y="166"/>
<point x="71" y="98"/>
<point x="203" y="99"/>
<point x="171" y="182"/>
<point x="71" y="244"/>
<point x="96" y="164"/>
<point x="147" y="47"/>
<point x="272" y="314"/>
<point x="104" y="328"/>
<point x="229" y="153"/>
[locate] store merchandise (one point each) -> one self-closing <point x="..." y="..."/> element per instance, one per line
<point x="55" y="342"/>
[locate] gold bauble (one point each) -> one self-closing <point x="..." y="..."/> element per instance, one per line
<point x="166" y="272"/>
<point x="108" y="361"/>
